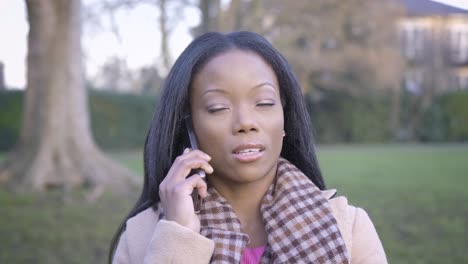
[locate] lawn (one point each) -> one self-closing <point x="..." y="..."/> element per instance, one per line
<point x="415" y="195"/>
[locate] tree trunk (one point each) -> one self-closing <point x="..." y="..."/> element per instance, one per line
<point x="2" y="77"/>
<point x="56" y="148"/>
<point x="395" y="111"/>
<point x="209" y="12"/>
<point x="163" y="27"/>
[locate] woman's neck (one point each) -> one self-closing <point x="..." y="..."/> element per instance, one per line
<point x="245" y="199"/>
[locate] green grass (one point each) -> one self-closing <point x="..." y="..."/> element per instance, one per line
<point x="44" y="228"/>
<point x="414" y="194"/>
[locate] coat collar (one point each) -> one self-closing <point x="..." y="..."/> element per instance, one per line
<point x="328" y="194"/>
<point x="297" y="217"/>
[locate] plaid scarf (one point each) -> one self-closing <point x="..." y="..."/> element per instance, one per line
<point x="298" y="220"/>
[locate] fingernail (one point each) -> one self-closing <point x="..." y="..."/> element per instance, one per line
<point x="202" y="174"/>
<point x="208" y="157"/>
<point x="186" y="150"/>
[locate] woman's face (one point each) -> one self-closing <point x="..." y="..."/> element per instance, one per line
<point x="238" y="116"/>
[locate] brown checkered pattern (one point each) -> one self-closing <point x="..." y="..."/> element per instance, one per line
<point x="298" y="219"/>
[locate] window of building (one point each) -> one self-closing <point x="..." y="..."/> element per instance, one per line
<point x="415" y="40"/>
<point x="459" y="44"/>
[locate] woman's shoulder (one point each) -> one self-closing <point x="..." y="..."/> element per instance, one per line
<point x="357" y="229"/>
<point x="344" y="214"/>
<point x="145" y="217"/>
<point x="139" y="243"/>
<point x="143" y="222"/>
<point x="137" y="235"/>
<point x="340" y="207"/>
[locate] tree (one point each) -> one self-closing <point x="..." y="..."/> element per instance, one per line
<point x="166" y="19"/>
<point x="56" y="148"/>
<point x="2" y="78"/>
<point x="114" y="75"/>
<point x="169" y="16"/>
<point x="209" y="10"/>
<point x="349" y="46"/>
<point x="340" y="45"/>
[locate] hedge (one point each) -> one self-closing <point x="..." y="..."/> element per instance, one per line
<point x="340" y="117"/>
<point x="11" y="103"/>
<point x="447" y="118"/>
<point x="120" y="121"/>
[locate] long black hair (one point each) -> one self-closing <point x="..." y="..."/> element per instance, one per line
<point x="166" y="137"/>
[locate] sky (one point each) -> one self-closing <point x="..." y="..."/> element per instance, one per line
<point x="457" y="3"/>
<point x="139" y="42"/>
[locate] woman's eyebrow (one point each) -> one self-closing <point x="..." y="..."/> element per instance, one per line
<point x="264" y="84"/>
<point x="214" y="91"/>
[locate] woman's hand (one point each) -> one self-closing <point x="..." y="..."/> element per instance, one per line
<point x="175" y="190"/>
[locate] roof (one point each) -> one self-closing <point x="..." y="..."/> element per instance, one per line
<point x="429" y="8"/>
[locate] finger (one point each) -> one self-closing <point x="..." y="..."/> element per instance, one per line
<point x="181" y="168"/>
<point x="195" y="153"/>
<point x="199" y="154"/>
<point x="199" y="164"/>
<point x="197" y="182"/>
<point x="184" y="165"/>
<point x="202" y="173"/>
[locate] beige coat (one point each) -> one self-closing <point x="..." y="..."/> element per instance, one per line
<point x="148" y="240"/>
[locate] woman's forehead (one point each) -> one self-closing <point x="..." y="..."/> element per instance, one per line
<point x="234" y="67"/>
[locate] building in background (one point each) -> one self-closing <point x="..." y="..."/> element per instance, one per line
<point x="434" y="40"/>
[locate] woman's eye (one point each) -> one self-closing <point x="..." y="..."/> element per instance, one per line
<point x="264" y="104"/>
<point x="216" y="109"/>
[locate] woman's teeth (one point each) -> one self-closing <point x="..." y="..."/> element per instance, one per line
<point x="246" y="151"/>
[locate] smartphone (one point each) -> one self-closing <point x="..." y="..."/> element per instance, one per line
<point x="197" y="200"/>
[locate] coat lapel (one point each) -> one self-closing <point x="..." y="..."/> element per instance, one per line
<point x="220" y="223"/>
<point x="299" y="221"/>
<point x="300" y="225"/>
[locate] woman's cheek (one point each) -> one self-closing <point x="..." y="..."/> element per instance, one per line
<point x="211" y="138"/>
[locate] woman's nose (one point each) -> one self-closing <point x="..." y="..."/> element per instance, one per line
<point x="244" y="121"/>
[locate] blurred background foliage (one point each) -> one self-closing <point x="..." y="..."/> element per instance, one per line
<point x="414" y="194"/>
<point x="120" y="121"/>
<point x="379" y="79"/>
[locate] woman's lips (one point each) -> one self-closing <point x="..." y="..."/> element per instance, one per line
<point x="248" y="157"/>
<point x="248" y="152"/>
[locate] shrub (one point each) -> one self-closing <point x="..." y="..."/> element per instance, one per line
<point x="118" y="121"/>
<point x="341" y="117"/>
<point x="455" y="110"/>
<point x="11" y="105"/>
<point x="121" y="121"/>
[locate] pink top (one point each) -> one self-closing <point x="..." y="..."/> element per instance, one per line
<point x="252" y="255"/>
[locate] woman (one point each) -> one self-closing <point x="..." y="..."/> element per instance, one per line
<point x="264" y="198"/>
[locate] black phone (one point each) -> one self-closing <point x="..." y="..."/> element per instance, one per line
<point x="197" y="200"/>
